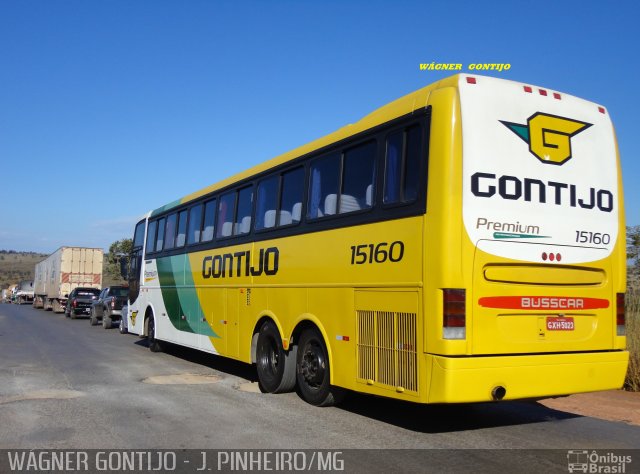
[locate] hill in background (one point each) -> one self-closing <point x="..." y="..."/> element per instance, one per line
<point x="17" y="266"/>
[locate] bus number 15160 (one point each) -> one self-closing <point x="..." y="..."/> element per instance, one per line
<point x="377" y="253"/>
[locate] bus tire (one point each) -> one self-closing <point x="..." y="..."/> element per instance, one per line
<point x="313" y="372"/>
<point x="154" y="344"/>
<point x="276" y="367"/>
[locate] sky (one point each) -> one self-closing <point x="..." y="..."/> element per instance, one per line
<point x="109" y="109"/>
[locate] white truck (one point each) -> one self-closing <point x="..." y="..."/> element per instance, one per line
<point x="24" y="292"/>
<point x="64" y="270"/>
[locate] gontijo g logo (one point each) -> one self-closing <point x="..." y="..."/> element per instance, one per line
<point x="548" y="136"/>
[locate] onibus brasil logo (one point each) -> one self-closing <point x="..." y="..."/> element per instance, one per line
<point x="548" y="136"/>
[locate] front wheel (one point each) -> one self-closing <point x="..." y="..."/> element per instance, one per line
<point x="154" y="344"/>
<point x="121" y="327"/>
<point x="276" y="367"/>
<point x="313" y="371"/>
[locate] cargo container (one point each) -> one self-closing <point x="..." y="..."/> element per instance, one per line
<point x="62" y="271"/>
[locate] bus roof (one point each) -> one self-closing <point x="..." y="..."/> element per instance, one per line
<point x="404" y="105"/>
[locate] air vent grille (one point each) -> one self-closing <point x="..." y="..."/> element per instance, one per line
<point x="387" y="349"/>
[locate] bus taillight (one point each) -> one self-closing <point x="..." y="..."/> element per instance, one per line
<point x="454" y="314"/>
<point x="620" y="317"/>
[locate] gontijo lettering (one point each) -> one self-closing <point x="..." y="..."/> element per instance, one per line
<point x="223" y="266"/>
<point x="512" y="188"/>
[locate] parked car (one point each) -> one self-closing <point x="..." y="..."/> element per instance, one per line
<point x="124" y="319"/>
<point x="79" y="301"/>
<point x="108" y="307"/>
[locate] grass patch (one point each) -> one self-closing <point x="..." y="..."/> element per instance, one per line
<point x="632" y="382"/>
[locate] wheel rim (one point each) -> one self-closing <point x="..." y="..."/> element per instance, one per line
<point x="270" y="358"/>
<point x="313" y="364"/>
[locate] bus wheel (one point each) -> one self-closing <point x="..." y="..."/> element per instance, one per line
<point x="276" y="367"/>
<point x="313" y="372"/>
<point x="154" y="344"/>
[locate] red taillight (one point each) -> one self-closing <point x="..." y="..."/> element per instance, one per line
<point x="113" y="304"/>
<point x="74" y="303"/>
<point x="620" y="317"/>
<point x="454" y="314"/>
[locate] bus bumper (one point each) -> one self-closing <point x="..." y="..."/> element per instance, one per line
<point x="475" y="379"/>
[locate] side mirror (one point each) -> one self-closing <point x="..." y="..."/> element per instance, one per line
<point x="124" y="268"/>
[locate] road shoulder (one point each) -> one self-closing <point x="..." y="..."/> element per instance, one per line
<point x="611" y="405"/>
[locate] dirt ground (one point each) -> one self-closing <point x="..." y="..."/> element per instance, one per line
<point x="612" y="405"/>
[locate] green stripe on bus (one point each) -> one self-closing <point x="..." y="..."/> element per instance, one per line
<point x="182" y="300"/>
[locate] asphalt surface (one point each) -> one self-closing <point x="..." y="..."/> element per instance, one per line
<point x="67" y="385"/>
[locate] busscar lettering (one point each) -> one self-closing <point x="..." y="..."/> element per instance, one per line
<point x="238" y="264"/>
<point x="552" y="303"/>
<point x="513" y="188"/>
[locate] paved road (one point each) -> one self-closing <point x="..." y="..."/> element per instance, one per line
<point x="67" y="385"/>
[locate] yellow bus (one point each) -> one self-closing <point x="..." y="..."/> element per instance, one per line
<point x="464" y="243"/>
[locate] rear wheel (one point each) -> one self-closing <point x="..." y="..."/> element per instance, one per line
<point x="276" y="367"/>
<point x="106" y="321"/>
<point x="93" y="319"/>
<point x="154" y="344"/>
<point x="313" y="371"/>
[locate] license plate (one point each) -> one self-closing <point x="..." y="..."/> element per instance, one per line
<point x="560" y="324"/>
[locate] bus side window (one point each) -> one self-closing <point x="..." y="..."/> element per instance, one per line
<point x="357" y="178"/>
<point x="160" y="237"/>
<point x="266" y="203"/>
<point x="245" y="205"/>
<point x="226" y="214"/>
<point x="182" y="229"/>
<point x="209" y="221"/>
<point x="323" y="188"/>
<point x="402" y="166"/>
<point x="151" y="236"/>
<point x="292" y="192"/>
<point x="170" y="233"/>
<point x="195" y="221"/>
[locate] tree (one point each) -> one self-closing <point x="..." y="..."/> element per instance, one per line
<point x="633" y="253"/>
<point x="117" y="250"/>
